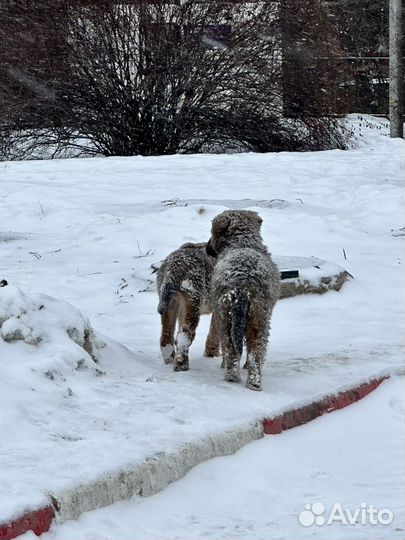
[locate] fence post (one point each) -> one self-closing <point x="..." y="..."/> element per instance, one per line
<point x="396" y="76"/>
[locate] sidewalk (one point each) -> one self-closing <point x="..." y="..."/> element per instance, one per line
<point x="169" y="442"/>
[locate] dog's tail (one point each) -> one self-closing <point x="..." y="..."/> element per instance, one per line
<point x="239" y="313"/>
<point x="166" y="294"/>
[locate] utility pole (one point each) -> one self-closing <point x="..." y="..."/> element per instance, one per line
<point x="396" y="75"/>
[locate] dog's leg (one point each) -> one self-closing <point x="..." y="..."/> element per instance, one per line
<point x="231" y="361"/>
<point x="189" y="317"/>
<point x="212" y="347"/>
<point x="230" y="356"/>
<point x="167" y="336"/>
<point x="256" y="344"/>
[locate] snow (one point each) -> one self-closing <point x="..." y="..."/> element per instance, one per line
<point x="187" y="285"/>
<point x="259" y="493"/>
<point x="34" y="320"/>
<point x="80" y="235"/>
<point x="167" y="352"/>
<point x="183" y="342"/>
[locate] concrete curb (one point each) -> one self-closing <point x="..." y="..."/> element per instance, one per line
<point x="158" y="471"/>
<point x="154" y="474"/>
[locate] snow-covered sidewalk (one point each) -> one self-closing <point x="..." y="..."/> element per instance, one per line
<point x="87" y="231"/>
<point x="350" y="459"/>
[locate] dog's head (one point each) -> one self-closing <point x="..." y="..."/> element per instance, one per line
<point x="240" y="228"/>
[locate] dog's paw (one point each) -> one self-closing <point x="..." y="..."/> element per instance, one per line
<point x="254" y="385"/>
<point x="231" y="376"/>
<point x="180" y="367"/>
<point x="254" y="382"/>
<point x="167" y="353"/>
<point x="181" y="364"/>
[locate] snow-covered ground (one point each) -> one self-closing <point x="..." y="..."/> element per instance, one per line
<point x="351" y="460"/>
<point x="87" y="230"/>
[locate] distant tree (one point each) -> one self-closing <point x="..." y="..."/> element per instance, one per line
<point x="151" y="78"/>
<point x="31" y="68"/>
<point x="363" y="29"/>
<point x="363" y="36"/>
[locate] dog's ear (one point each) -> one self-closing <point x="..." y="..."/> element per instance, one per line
<point x="210" y="250"/>
<point x="219" y="226"/>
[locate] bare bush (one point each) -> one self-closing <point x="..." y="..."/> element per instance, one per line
<point x="152" y="78"/>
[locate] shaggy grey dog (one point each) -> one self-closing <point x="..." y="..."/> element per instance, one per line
<point x="183" y="282"/>
<point x="244" y="289"/>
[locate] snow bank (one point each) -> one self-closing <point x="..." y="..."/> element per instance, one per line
<point x="48" y="351"/>
<point x="59" y="337"/>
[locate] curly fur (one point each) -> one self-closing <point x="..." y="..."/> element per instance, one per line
<point x="245" y="287"/>
<point x="183" y="282"/>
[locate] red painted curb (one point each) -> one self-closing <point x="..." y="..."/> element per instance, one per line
<point x="38" y="521"/>
<point x="297" y="417"/>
